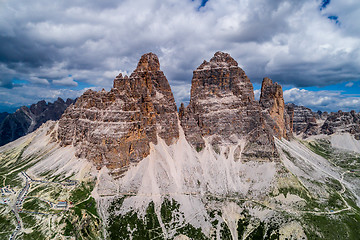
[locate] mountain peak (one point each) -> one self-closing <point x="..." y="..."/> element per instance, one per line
<point x="116" y="128"/>
<point x="267" y="82"/>
<point x="272" y="100"/>
<point x="28" y="119"/>
<point x="148" y="62"/>
<point x="270" y="89"/>
<point x="222" y="107"/>
<point x="220" y="59"/>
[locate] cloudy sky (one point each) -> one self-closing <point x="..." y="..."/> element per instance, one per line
<point x="51" y="49"/>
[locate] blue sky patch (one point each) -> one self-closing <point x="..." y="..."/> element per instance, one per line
<point x="202" y="4"/>
<point x="334" y="18"/>
<point x="354" y="89"/>
<point x="324" y="4"/>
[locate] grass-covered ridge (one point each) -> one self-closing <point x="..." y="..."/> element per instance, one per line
<point x="341" y="158"/>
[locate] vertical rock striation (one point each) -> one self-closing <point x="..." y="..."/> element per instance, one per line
<point x="272" y="101"/>
<point x="222" y="109"/>
<point x="304" y="120"/>
<point x="116" y="128"/>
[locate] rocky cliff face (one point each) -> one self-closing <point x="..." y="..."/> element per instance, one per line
<point x="26" y="120"/>
<point x="116" y="128"/>
<point x="272" y="101"/>
<point x="222" y="109"/>
<point x="340" y="122"/>
<point x="308" y="123"/>
<point x="304" y="120"/>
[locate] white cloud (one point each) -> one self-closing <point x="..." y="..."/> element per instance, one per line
<point x="257" y="93"/>
<point x="26" y="95"/>
<point x="349" y="84"/>
<point x="293" y="42"/>
<point x="37" y="80"/>
<point x="67" y="81"/>
<point x="181" y="92"/>
<point x="322" y="100"/>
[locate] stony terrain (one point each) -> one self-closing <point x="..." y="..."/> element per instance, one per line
<point x="25" y="120"/>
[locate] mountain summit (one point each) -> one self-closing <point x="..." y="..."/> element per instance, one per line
<point x="148" y="63"/>
<point x="116" y="128"/>
<point x="223" y="109"/>
<point x="124" y="164"/>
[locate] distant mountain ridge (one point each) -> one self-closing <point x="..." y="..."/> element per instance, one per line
<point x="308" y="123"/>
<point x="27" y="119"/>
<point x="3" y="116"/>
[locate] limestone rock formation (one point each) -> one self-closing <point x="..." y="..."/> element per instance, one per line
<point x="272" y="101"/>
<point x="26" y="120"/>
<point x="304" y="120"/>
<point x="339" y="122"/>
<point x="116" y="128"/>
<point x="222" y="109"/>
<point x="308" y="123"/>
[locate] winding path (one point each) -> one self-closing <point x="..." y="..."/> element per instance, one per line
<point x="18" y="205"/>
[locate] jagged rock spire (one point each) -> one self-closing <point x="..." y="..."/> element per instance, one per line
<point x="115" y="128"/>
<point x="222" y="106"/>
<point x="220" y="59"/>
<point x="272" y="100"/>
<point x="148" y="62"/>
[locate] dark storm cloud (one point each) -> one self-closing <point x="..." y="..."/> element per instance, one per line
<point x="6" y="83"/>
<point x="45" y="42"/>
<point x="21" y="50"/>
